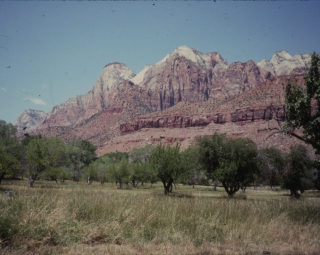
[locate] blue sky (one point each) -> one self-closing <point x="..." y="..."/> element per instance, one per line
<point x="52" y="51"/>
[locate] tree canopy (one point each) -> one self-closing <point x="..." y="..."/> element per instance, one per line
<point x="303" y="107"/>
<point x="232" y="161"/>
<point x="166" y="162"/>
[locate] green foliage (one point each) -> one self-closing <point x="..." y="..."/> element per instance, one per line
<point x="231" y="161"/>
<point x="90" y="173"/>
<point x="297" y="173"/>
<point x="115" y="157"/>
<point x="11" y="151"/>
<point x="272" y="163"/>
<point x="303" y="109"/>
<point x="119" y="172"/>
<point x="46" y="155"/>
<point x="25" y="141"/>
<point x="193" y="174"/>
<point x="140" y="154"/>
<point x="303" y="106"/>
<point x="9" y="164"/>
<point x="6" y="129"/>
<point x="166" y="162"/>
<point x="141" y="172"/>
<point x="210" y="150"/>
<point x="87" y="151"/>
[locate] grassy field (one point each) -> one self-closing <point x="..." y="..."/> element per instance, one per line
<point x="72" y="218"/>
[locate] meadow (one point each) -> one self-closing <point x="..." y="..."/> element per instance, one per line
<point x="75" y="218"/>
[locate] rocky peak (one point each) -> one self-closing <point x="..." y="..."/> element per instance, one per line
<point x="282" y="63"/>
<point x="81" y="108"/>
<point x="29" y="120"/>
<point x="113" y="74"/>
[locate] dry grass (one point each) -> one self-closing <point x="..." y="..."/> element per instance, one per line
<point x="79" y="219"/>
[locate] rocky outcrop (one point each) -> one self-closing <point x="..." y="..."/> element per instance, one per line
<point x="187" y="90"/>
<point x="282" y="63"/>
<point x="126" y="102"/>
<point x="81" y="108"/>
<point x="263" y="103"/>
<point x="29" y="120"/>
<point x="188" y="75"/>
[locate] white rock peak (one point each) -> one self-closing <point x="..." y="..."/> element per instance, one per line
<point x="201" y="59"/>
<point x="30" y="119"/>
<point x="282" y="63"/>
<point x="193" y="55"/>
<point x="139" y="77"/>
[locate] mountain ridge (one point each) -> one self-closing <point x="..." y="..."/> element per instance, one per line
<point x="184" y="76"/>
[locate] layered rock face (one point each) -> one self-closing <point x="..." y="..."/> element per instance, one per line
<point x="262" y="103"/>
<point x="186" y="91"/>
<point x="81" y="108"/>
<point x="257" y="114"/>
<point x="125" y="103"/>
<point x="29" y="120"/>
<point x="188" y="75"/>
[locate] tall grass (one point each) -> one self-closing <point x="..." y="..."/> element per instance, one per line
<point x="98" y="215"/>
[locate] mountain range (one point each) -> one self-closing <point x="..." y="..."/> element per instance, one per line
<point x="185" y="95"/>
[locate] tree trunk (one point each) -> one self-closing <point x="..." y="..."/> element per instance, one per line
<point x="30" y="182"/>
<point x="167" y="187"/>
<point x="215" y="185"/>
<point x="232" y="190"/>
<point x="1" y="177"/>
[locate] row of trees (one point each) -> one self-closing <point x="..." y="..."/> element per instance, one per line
<point x="235" y="163"/>
<point x="35" y="156"/>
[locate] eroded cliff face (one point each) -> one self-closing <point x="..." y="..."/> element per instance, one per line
<point x="188" y="75"/>
<point x="256" y="114"/>
<point x="184" y="92"/>
<point x="125" y="102"/>
<point x="81" y="108"/>
<point x="261" y="104"/>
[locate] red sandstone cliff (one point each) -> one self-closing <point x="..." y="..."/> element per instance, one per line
<point x="186" y="91"/>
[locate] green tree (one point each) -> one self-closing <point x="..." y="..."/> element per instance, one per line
<point x="141" y="155"/>
<point x="140" y="170"/>
<point x="101" y="172"/>
<point x="6" y="129"/>
<point x="11" y="150"/>
<point x="119" y="172"/>
<point x="140" y="173"/>
<point x="166" y="162"/>
<point x="37" y="152"/>
<point x="87" y="151"/>
<point x="231" y="161"/>
<point x="297" y="173"/>
<point x="45" y="155"/>
<point x="9" y="164"/>
<point x="272" y="163"/>
<point x="115" y="157"/>
<point x="90" y="173"/>
<point x="193" y="173"/>
<point x="303" y="107"/>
